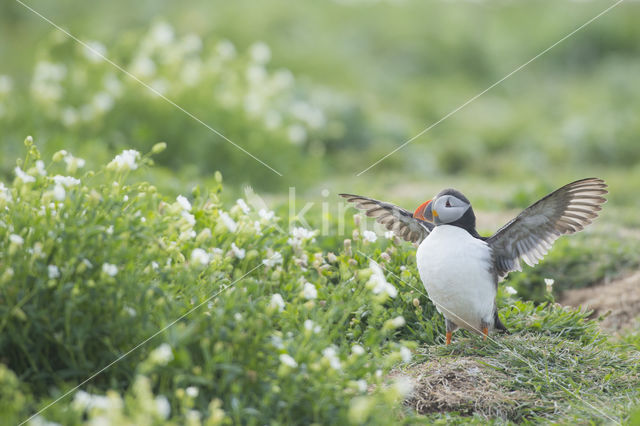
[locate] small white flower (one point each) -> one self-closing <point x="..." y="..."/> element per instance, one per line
<point x="331" y="355"/>
<point x="16" y="239"/>
<point x="243" y="205"/>
<point x="154" y="265"/>
<point x="311" y="326"/>
<point x="389" y="235"/>
<point x="397" y="322"/>
<point x="199" y="256"/>
<point x="87" y="263"/>
<point x="95" y="51"/>
<point x="510" y="290"/>
<point x="362" y="385"/>
<point x="226" y="49"/>
<point x="184" y="203"/>
<point x="405" y="353"/>
<point x="260" y="52"/>
<point x="288" y="360"/>
<point x="379" y="281"/>
<point x="309" y="291"/>
<point x="237" y="252"/>
<point x="297" y="134"/>
<point x="357" y="350"/>
<point x="163" y="408"/>
<point x="73" y="163"/>
<point x="161" y="355"/>
<point x="53" y="271"/>
<point x="549" y="281"/>
<point x="277" y="302"/>
<point x="66" y="180"/>
<point x="59" y="193"/>
<point x="188" y="217"/>
<point x="5" y="194"/>
<point x="228" y="222"/>
<point x="266" y="214"/>
<point x="125" y="161"/>
<point x="40" y="168"/>
<point x="23" y="176"/>
<point x="192" y="391"/>
<point x="109" y="269"/>
<point x="273" y="260"/>
<point x="369" y="236"/>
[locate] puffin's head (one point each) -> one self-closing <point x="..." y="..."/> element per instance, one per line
<point x="448" y="207"/>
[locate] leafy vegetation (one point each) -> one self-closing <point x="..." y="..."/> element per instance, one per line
<point x="197" y="305"/>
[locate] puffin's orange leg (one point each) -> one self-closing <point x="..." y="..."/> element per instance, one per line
<point x="449" y="333"/>
<point x="485" y="332"/>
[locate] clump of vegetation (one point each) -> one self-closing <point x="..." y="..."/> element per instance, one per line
<point x="216" y="315"/>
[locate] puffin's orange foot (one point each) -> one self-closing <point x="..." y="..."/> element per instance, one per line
<point x="485" y="332"/>
<point x="449" y="333"/>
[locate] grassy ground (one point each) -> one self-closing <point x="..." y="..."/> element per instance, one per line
<point x="287" y="323"/>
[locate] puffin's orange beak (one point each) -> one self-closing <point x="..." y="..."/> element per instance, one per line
<point x="422" y="209"/>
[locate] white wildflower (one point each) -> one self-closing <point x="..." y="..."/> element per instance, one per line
<point x="95" y="51"/>
<point x="53" y="272"/>
<point x="24" y="177"/>
<point x="125" y="161"/>
<point x="102" y="102"/>
<point x="309" y="291"/>
<point x="16" y="239"/>
<point x="510" y="290"/>
<point x="163" y="408"/>
<point x="273" y="260"/>
<point x="73" y="163"/>
<point x="226" y="49"/>
<point x="357" y="350"/>
<point x="277" y="302"/>
<point x="288" y="360"/>
<point x="379" y="282"/>
<point x="184" y="203"/>
<point x="260" y="52"/>
<point x="192" y="391"/>
<point x="362" y="385"/>
<point x="66" y="180"/>
<point x="161" y="355"/>
<point x="549" y="282"/>
<point x="257" y="227"/>
<point x="199" y="256"/>
<point x="5" y="194"/>
<point x="331" y="355"/>
<point x="243" y="205"/>
<point x="40" y="169"/>
<point x="188" y="218"/>
<point x="311" y="326"/>
<point x="405" y="353"/>
<point x="238" y="252"/>
<point x="109" y="269"/>
<point x="266" y="214"/>
<point x="59" y="193"/>
<point x="228" y="222"/>
<point x="369" y="236"/>
<point x="297" y="134"/>
<point x="397" y="322"/>
<point x="389" y="235"/>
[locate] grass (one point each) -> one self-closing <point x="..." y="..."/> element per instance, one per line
<point x="306" y="336"/>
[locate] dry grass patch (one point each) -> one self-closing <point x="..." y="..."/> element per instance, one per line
<point x="462" y="385"/>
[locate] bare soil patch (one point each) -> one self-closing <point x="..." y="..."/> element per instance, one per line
<point x="619" y="300"/>
<point x="461" y="385"/>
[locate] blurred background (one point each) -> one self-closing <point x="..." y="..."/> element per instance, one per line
<point x="319" y="90"/>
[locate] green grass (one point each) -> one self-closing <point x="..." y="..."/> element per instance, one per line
<point x="90" y="273"/>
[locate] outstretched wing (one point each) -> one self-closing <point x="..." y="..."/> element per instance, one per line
<point x="530" y="235"/>
<point x="394" y="218"/>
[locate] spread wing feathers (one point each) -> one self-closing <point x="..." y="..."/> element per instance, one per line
<point x="530" y="235"/>
<point x="394" y="218"/>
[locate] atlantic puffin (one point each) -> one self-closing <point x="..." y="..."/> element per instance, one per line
<point x="459" y="268"/>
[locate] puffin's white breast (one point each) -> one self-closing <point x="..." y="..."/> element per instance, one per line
<point x="455" y="270"/>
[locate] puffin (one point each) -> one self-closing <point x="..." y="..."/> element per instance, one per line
<point x="459" y="268"/>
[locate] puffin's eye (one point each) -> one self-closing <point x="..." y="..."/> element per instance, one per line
<point x="447" y="204"/>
